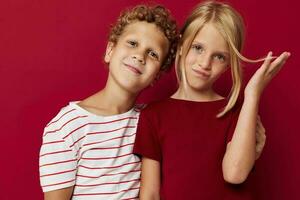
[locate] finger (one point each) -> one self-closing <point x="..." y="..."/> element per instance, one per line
<point x="261" y="126"/>
<point x="277" y="64"/>
<point x="260" y="134"/>
<point x="259" y="148"/>
<point x="267" y="61"/>
<point x="258" y="120"/>
<point x="258" y="117"/>
<point x="257" y="153"/>
<point x="260" y="139"/>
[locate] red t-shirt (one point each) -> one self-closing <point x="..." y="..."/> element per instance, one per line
<point x="189" y="141"/>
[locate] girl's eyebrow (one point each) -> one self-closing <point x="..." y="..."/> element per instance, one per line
<point x="197" y="42"/>
<point x="217" y="52"/>
<point x="223" y="52"/>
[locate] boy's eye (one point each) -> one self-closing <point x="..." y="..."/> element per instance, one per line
<point x="132" y="43"/>
<point x="153" y="54"/>
<point x="197" y="48"/>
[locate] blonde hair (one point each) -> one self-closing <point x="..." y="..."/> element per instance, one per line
<point x="231" y="26"/>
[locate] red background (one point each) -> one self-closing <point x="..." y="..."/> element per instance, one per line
<point x="51" y="53"/>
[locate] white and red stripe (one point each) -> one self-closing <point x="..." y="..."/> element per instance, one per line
<point x="92" y="153"/>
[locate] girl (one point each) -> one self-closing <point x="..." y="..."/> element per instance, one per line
<point x="196" y="139"/>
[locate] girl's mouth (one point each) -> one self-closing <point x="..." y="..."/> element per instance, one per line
<point x="201" y="73"/>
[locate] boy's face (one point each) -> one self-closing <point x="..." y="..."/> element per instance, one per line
<point x="135" y="60"/>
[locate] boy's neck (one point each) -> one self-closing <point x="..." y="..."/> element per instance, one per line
<point x="109" y="101"/>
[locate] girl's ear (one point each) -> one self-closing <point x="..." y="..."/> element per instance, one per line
<point x="108" y="52"/>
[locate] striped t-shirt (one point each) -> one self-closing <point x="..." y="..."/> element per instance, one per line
<point x="92" y="153"/>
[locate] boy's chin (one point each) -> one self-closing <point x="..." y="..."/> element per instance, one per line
<point x="132" y="87"/>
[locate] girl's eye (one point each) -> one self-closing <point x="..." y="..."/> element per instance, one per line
<point x="132" y="43"/>
<point x="153" y="54"/>
<point x="220" y="58"/>
<point x="197" y="47"/>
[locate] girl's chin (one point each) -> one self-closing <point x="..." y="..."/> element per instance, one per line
<point x="200" y="87"/>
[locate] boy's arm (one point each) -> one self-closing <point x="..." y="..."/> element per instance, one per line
<point x="57" y="166"/>
<point x="239" y="157"/>
<point x="61" y="194"/>
<point x="150" y="180"/>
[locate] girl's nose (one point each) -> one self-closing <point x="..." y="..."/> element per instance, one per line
<point x="204" y="62"/>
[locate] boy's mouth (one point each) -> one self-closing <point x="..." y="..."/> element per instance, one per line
<point x="133" y="69"/>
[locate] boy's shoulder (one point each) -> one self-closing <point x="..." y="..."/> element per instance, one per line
<point x="73" y="115"/>
<point x="66" y="114"/>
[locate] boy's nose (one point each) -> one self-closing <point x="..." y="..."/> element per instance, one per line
<point x="139" y="58"/>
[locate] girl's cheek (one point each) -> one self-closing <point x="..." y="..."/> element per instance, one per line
<point x="189" y="59"/>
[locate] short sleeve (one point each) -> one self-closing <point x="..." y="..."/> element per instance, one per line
<point x="147" y="143"/>
<point x="57" y="163"/>
<point x="234" y="116"/>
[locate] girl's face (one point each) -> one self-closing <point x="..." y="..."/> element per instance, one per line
<point x="207" y="58"/>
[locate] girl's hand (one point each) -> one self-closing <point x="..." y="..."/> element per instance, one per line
<point x="264" y="74"/>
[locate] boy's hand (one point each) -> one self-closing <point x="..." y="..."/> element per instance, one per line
<point x="260" y="138"/>
<point x="264" y="74"/>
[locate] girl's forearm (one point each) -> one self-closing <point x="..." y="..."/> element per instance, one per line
<point x="239" y="158"/>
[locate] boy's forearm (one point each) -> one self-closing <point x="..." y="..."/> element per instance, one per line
<point x="148" y="195"/>
<point x="61" y="194"/>
<point x="150" y="179"/>
<point x="240" y="153"/>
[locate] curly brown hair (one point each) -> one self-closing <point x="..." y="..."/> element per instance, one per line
<point x="158" y="15"/>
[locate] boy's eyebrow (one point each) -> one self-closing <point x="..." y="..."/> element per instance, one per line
<point x="151" y="46"/>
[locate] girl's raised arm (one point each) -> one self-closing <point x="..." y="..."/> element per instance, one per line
<point x="240" y="156"/>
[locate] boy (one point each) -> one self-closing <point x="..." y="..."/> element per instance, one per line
<point x="87" y="148"/>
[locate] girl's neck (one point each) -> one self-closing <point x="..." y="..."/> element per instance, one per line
<point x="196" y="95"/>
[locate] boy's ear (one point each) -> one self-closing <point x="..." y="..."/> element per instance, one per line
<point x="108" y="52"/>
